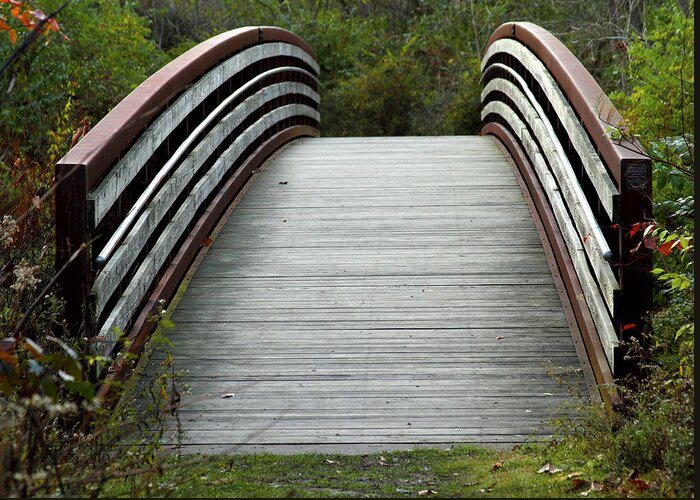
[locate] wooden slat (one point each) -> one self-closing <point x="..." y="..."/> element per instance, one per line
<point x="600" y="178"/>
<point x="120" y="315"/>
<point x="101" y="199"/>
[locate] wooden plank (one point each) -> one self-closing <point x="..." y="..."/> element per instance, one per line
<point x="120" y="315"/>
<point x="356" y="320"/>
<point x="116" y="268"/>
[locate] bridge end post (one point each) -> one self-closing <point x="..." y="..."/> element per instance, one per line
<point x="72" y="242"/>
<point x="635" y="261"/>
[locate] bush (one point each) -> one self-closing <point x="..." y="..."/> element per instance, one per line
<point x="57" y="439"/>
<point x="107" y="54"/>
<point x="652" y="433"/>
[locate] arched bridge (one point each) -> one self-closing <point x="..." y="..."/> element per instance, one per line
<point x="359" y="293"/>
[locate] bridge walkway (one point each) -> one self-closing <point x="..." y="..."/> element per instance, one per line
<point x="373" y="294"/>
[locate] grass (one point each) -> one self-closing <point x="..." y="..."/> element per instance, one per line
<point x="463" y="471"/>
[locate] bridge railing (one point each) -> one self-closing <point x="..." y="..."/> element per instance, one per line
<point x="586" y="189"/>
<point x="138" y="195"/>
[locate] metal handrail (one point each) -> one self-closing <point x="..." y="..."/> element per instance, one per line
<point x="152" y="187"/>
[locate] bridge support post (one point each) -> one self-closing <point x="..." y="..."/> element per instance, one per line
<point x="72" y="242"/>
<point x="635" y="260"/>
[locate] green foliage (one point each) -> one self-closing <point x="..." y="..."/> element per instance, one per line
<point x="388" y="97"/>
<point x="56" y="438"/>
<point x="659" y="109"/>
<point x="659" y="113"/>
<point x="661" y="75"/>
<point x="107" y="55"/>
<point x="673" y="333"/>
<point x="654" y="431"/>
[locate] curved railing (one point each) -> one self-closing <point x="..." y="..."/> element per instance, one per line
<point x="140" y="192"/>
<point x="585" y="189"/>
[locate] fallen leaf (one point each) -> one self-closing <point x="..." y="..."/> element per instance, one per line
<point x="577" y="484"/>
<point x="229" y="395"/>
<point x="206" y="242"/>
<point x="639" y="484"/>
<point x="499" y="338"/>
<point x="497" y="465"/>
<point x="516" y="447"/>
<point x="574" y="474"/>
<point x="76" y="137"/>
<point x="423" y="493"/>
<point x="549" y="468"/>
<point x="331" y="461"/>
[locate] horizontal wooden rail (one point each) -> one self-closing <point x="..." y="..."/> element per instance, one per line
<point x="588" y="190"/>
<point x="146" y="185"/>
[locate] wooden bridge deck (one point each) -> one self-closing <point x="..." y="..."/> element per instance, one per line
<point x="372" y="294"/>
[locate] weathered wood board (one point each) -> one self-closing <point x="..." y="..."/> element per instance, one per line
<point x="372" y="294"/>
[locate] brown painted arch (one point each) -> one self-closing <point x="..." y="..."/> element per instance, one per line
<point x="107" y="140"/>
<point x="594" y="108"/>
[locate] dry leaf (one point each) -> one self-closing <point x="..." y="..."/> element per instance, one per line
<point x="574" y="474"/>
<point x="499" y="338"/>
<point x="577" y="484"/>
<point x="423" y="493"/>
<point x="549" y="468"/>
<point x="206" y="242"/>
<point x="516" y="447"/>
<point x="497" y="465"/>
<point x="229" y="395"/>
<point x="331" y="461"/>
<point x="639" y="484"/>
